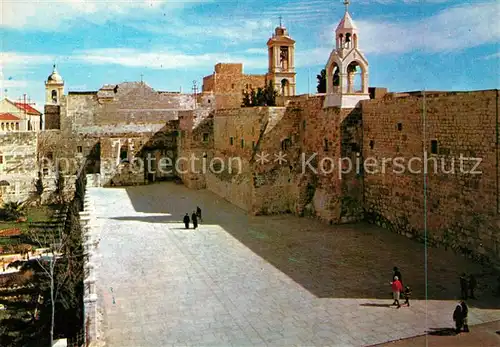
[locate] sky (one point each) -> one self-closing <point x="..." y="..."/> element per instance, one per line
<point x="410" y="44"/>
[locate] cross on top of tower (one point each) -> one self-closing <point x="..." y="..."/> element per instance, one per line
<point x="280" y="18"/>
<point x="346" y="3"/>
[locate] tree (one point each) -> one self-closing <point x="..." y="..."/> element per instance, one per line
<point x="60" y="184"/>
<point x="321" y="81"/>
<point x="261" y="97"/>
<point x="62" y="269"/>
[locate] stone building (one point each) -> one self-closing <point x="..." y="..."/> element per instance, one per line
<point x="225" y="86"/>
<point x="119" y="132"/>
<point x="19" y="116"/>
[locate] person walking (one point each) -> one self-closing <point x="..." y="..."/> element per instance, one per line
<point x="472" y="285"/>
<point x="186" y="221"/>
<point x="463" y="286"/>
<point x="198" y="213"/>
<point x="194" y="218"/>
<point x="458" y="318"/>
<point x="397" y="288"/>
<point x="397" y="274"/>
<point x="465" y="312"/>
<point x="407" y="294"/>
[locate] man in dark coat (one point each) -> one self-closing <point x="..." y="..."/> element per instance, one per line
<point x="463" y="286"/>
<point x="198" y="213"/>
<point x="472" y="285"/>
<point x="194" y="218"/>
<point x="186" y="221"/>
<point x="465" y="312"/>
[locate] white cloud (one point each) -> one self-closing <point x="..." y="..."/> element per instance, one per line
<point x="48" y="15"/>
<point x="492" y="56"/>
<point x="21" y="60"/>
<point x="232" y="31"/>
<point x="164" y="59"/>
<point x="452" y="29"/>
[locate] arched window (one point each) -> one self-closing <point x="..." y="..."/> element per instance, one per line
<point x="284" y="87"/>
<point x="124" y="154"/>
<point x="54" y="96"/>
<point x="286" y="144"/>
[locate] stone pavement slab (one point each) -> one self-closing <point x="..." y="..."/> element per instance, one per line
<point x="482" y="335"/>
<point x="259" y="281"/>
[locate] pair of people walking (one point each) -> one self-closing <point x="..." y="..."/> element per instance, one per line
<point x="194" y="218"/>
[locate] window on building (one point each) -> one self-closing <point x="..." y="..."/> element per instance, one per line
<point x="45" y="171"/>
<point x="231" y="141"/>
<point x="232" y="86"/>
<point x="325" y="145"/>
<point x="79" y="149"/>
<point x="434" y="147"/>
<point x="1" y="159"/>
<point x="123" y="153"/>
<point x="50" y="155"/>
<point x="372" y="144"/>
<point x="304" y="124"/>
<point x="205" y="137"/>
<point x="400" y="126"/>
<point x="242" y="143"/>
<point x="286" y="144"/>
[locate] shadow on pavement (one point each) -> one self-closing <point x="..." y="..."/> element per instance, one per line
<point x="376" y="305"/>
<point x="442" y="332"/>
<point x="339" y="261"/>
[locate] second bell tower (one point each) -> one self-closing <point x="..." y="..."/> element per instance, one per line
<point x="281" y="48"/>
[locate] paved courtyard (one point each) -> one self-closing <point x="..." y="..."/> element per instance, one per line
<point x="262" y="281"/>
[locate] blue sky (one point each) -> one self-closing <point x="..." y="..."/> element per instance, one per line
<point x="410" y="44"/>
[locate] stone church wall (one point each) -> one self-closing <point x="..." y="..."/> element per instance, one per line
<point x="18" y="167"/>
<point x="462" y="208"/>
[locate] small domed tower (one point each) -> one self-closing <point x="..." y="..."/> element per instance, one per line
<point x="54" y="88"/>
<point x="347" y="67"/>
<point x="281" y="61"/>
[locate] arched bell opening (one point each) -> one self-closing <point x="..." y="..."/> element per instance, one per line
<point x="348" y="40"/>
<point x="285" y="87"/>
<point x="54" y="96"/>
<point x="355" y="78"/>
<point x="334" y="78"/>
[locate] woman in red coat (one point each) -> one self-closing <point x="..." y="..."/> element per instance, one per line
<point x="397" y="288"/>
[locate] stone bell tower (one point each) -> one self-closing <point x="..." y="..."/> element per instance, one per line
<point x="54" y="88"/>
<point x="281" y="48"/>
<point x="345" y="66"/>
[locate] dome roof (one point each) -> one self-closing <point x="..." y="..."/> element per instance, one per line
<point x="55" y="77"/>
